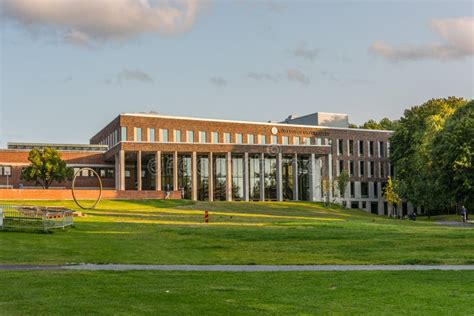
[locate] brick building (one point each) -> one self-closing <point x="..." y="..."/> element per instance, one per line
<point x="208" y="159"/>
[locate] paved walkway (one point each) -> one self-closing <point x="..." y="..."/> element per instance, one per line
<point x="236" y="268"/>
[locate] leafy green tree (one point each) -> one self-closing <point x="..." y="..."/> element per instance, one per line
<point x="370" y="124"/>
<point x="383" y="124"/>
<point x="410" y="151"/>
<point x="453" y="156"/>
<point x="390" y="195"/>
<point x="46" y="166"/>
<point x="342" y="182"/>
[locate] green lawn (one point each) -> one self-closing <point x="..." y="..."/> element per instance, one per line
<point x="173" y="232"/>
<point x="221" y="293"/>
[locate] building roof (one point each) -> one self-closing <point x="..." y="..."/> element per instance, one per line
<point x="68" y="147"/>
<point x="153" y="114"/>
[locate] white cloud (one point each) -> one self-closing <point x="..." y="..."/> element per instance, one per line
<point x="298" y="76"/>
<point x="290" y="75"/>
<point x="80" y="22"/>
<point x="130" y="75"/>
<point x="305" y="52"/>
<point x="218" y="81"/>
<point x="457" y="35"/>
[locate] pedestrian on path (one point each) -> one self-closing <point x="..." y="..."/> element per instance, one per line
<point x="463" y="214"/>
<point x="466" y="212"/>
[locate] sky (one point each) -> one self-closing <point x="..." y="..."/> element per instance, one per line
<point x="67" y="68"/>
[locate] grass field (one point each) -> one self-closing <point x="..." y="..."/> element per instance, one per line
<point x="216" y="293"/>
<point x="173" y="232"/>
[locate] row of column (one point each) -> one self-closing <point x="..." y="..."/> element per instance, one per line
<point x="314" y="179"/>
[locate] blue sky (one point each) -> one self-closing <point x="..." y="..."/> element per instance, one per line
<point x="68" y="71"/>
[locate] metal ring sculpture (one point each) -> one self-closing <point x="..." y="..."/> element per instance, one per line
<point x="73" y="188"/>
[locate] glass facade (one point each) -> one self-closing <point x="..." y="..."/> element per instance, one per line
<point x="287" y="177"/>
<point x="148" y="174"/>
<point x="270" y="178"/>
<point x="303" y="178"/>
<point x="254" y="177"/>
<point x="203" y="177"/>
<point x="185" y="176"/>
<point x="237" y="177"/>
<point x="167" y="172"/>
<point x="219" y="177"/>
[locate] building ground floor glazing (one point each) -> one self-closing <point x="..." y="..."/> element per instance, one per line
<point x="223" y="176"/>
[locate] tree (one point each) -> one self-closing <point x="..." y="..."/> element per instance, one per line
<point x="383" y="124"/>
<point x="46" y="166"/>
<point x="390" y="195"/>
<point x="453" y="156"/>
<point x="410" y="151"/>
<point x="342" y="182"/>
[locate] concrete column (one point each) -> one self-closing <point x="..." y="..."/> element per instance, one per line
<point x="211" y="178"/>
<point x="158" y="170"/>
<point x="122" y="169"/>
<point x="295" y="177"/>
<point x="279" y="177"/>
<point x="228" y="186"/>
<point x="330" y="182"/>
<point x="262" y="177"/>
<point x="194" y="176"/>
<point x="317" y="180"/>
<point x="117" y="172"/>
<point x="175" y="171"/>
<point x="139" y="170"/>
<point x="246" y="177"/>
<point x="312" y="178"/>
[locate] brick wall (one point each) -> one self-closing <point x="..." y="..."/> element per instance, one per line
<point x="58" y="194"/>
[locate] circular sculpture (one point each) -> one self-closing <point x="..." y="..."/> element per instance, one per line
<point x="74" y="193"/>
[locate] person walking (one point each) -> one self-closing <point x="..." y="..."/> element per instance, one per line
<point x="168" y="191"/>
<point x="463" y="214"/>
<point x="466" y="213"/>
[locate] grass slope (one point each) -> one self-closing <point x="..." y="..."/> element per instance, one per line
<point x="216" y="293"/>
<point x="173" y="232"/>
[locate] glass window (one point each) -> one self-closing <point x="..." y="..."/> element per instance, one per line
<point x="190" y="136"/>
<point x="351" y="168"/>
<point x="263" y="139"/>
<point x="123" y="134"/>
<point x="239" y="138"/>
<point x="215" y="137"/>
<point x="307" y="141"/>
<point x="177" y="136"/>
<point x="138" y="134"/>
<point x="361" y="148"/>
<point x="227" y="138"/>
<point x="164" y="134"/>
<point x="381" y="149"/>
<point x="296" y="140"/>
<point x="371" y="148"/>
<point x="202" y="137"/>
<point x="364" y="189"/>
<point x="151" y="135"/>
<point x="250" y="138"/>
<point x="127" y="173"/>
<point x="361" y="168"/>
<point x="285" y="140"/>
<point x="351" y="147"/>
<point x="7" y="171"/>
<point x="340" y="147"/>
<point x="1" y="171"/>
<point x="274" y="139"/>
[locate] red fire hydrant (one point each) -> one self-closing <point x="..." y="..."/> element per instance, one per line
<point x="206" y="216"/>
